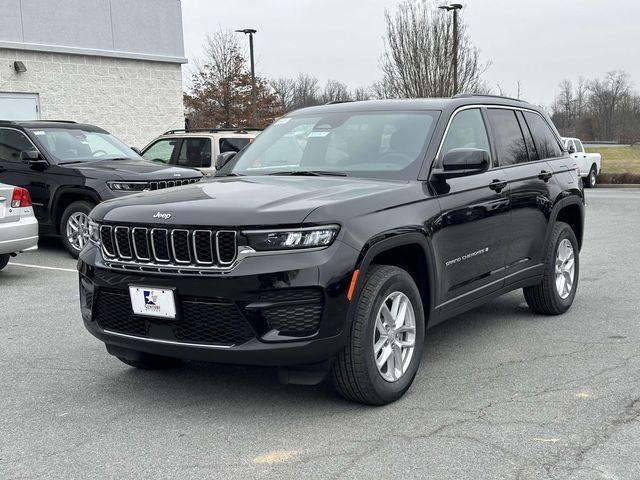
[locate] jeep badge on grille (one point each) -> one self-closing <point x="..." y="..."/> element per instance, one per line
<point x="163" y="216"/>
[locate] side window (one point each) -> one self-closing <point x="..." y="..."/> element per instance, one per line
<point x="233" y="144"/>
<point x="546" y="142"/>
<point x="467" y="130"/>
<point x="579" y="147"/>
<point x="12" y="144"/>
<point x="528" y="139"/>
<point x="195" y="152"/>
<point x="161" y="151"/>
<point x="510" y="144"/>
<point x="568" y="143"/>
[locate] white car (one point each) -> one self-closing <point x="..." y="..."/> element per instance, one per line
<point x="197" y="148"/>
<point x="18" y="225"/>
<point x="588" y="163"/>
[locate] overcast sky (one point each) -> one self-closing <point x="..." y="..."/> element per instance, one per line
<point x="538" y="42"/>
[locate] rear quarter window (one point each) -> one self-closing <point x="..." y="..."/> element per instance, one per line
<point x="546" y="142"/>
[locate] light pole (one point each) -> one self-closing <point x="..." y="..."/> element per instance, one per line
<point x="455" y="7"/>
<point x="254" y="106"/>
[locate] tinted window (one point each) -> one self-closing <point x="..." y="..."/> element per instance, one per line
<point x="12" y="144"/>
<point x="467" y="130"/>
<point x="161" y="151"/>
<point x="195" y="152"/>
<point x="546" y="142"/>
<point x="528" y="139"/>
<point x="233" y="144"/>
<point x="509" y="140"/>
<point x="579" y="147"/>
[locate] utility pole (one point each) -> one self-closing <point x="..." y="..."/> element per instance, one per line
<point x="254" y="106"/>
<point x="455" y="7"/>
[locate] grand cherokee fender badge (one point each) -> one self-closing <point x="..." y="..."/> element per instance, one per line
<point x="163" y="216"/>
<point x="467" y="256"/>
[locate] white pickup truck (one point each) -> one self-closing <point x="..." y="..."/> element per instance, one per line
<point x="588" y="163"/>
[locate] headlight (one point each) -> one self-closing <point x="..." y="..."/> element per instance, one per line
<point x="128" y="186"/>
<point x="94" y="232"/>
<point x="290" y="239"/>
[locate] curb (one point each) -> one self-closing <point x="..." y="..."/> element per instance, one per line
<point x="618" y="185"/>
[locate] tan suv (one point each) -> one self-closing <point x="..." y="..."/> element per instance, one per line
<point x="197" y="148"/>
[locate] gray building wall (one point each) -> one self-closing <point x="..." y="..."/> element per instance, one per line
<point x="113" y="63"/>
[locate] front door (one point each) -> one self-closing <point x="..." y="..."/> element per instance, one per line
<point x="470" y="242"/>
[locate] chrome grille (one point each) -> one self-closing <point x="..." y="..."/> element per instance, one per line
<point x="159" y="185"/>
<point x="176" y="247"/>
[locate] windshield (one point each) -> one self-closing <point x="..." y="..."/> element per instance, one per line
<point x="75" y="145"/>
<point x="371" y="144"/>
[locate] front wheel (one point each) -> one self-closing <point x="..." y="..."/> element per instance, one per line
<point x="74" y="226"/>
<point x="555" y="293"/>
<point x="385" y="340"/>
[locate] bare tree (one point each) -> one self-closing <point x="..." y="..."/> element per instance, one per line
<point x="305" y="92"/>
<point x="606" y="96"/>
<point x="361" y="93"/>
<point x="284" y="89"/>
<point x="335" y="91"/>
<point x="418" y="57"/>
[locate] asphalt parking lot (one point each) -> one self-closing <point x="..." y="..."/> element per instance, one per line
<point x="502" y="393"/>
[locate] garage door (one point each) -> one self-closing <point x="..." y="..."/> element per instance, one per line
<point x="19" y="106"/>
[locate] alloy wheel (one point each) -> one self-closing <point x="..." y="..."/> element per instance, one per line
<point x="394" y="336"/>
<point x="565" y="268"/>
<point x="78" y="230"/>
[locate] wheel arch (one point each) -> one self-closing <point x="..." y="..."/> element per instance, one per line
<point x="411" y="251"/>
<point x="66" y="197"/>
<point x="569" y="210"/>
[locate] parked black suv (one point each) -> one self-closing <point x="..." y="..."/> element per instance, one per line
<point x="69" y="167"/>
<point x="335" y="239"/>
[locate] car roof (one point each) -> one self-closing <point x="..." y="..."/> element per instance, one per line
<point x="35" y="124"/>
<point x="409" y="104"/>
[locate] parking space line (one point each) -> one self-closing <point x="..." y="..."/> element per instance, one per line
<point x="72" y="270"/>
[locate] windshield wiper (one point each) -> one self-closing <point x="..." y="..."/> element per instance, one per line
<point x="311" y="173"/>
<point x="229" y="174"/>
<point x="73" y="161"/>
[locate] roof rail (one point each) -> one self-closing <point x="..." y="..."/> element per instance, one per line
<point x="36" y="120"/>
<point x="56" y="121"/>
<point x="212" y="130"/>
<point x="502" y="97"/>
<point x="334" y="102"/>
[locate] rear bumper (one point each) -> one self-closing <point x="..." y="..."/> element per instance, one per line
<point x="18" y="236"/>
<point x="267" y="295"/>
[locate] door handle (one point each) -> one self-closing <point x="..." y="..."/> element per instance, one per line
<point x="544" y="175"/>
<point x="497" y="185"/>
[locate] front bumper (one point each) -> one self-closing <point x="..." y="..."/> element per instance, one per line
<point x="19" y="236"/>
<point x="279" y="310"/>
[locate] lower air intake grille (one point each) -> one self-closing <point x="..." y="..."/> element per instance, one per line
<point x="204" y="322"/>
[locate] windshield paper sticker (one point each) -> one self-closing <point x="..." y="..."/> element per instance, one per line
<point x="318" y="134"/>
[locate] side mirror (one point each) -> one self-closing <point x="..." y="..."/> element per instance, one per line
<point x="33" y="158"/>
<point x="137" y="150"/>
<point x="223" y="159"/>
<point x="461" y="162"/>
<point x="571" y="149"/>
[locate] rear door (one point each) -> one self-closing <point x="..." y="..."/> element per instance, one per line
<point x="469" y="242"/>
<point x="529" y="179"/>
<point x="195" y="152"/>
<point x="15" y="171"/>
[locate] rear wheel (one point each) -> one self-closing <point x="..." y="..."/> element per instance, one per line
<point x="4" y="260"/>
<point x="385" y="341"/>
<point x="592" y="178"/>
<point x="555" y="293"/>
<point x="74" y="226"/>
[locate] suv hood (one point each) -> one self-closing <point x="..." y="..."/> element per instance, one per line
<point x="256" y="201"/>
<point x="132" y="170"/>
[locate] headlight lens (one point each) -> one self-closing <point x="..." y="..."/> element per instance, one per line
<point x="296" y="238"/>
<point x="94" y="232"/>
<point x="127" y="186"/>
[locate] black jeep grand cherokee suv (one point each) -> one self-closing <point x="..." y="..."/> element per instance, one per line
<point x="69" y="167"/>
<point x="333" y="241"/>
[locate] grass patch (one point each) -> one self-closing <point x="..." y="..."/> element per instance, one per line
<point x="617" y="160"/>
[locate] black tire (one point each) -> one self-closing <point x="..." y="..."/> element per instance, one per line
<point x="592" y="178"/>
<point x="4" y="260"/>
<point x="147" y="361"/>
<point x="544" y="297"/>
<point x="82" y="206"/>
<point x="354" y="372"/>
